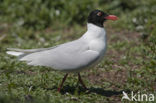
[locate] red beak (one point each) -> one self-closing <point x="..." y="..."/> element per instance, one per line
<point x="111" y="17"/>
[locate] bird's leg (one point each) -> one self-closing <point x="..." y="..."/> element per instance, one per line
<point x="63" y="80"/>
<point x="80" y="80"/>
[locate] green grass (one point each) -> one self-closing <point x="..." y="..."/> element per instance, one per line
<point x="125" y="67"/>
<point x="129" y="63"/>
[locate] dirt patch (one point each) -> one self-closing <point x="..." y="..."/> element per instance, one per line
<point x="113" y="76"/>
<point x="122" y="35"/>
<point x="119" y="75"/>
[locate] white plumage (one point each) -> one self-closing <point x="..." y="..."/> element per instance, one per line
<point x="72" y="56"/>
<point x="14" y="53"/>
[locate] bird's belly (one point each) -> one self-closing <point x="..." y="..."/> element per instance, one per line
<point x="84" y="68"/>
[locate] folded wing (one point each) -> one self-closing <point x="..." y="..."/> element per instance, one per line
<point x="66" y="57"/>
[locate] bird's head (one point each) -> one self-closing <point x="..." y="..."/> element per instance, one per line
<point x="98" y="17"/>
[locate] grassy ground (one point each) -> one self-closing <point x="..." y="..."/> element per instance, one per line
<point x="125" y="67"/>
<point x="129" y="63"/>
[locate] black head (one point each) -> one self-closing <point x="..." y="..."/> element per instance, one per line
<point x="98" y="17"/>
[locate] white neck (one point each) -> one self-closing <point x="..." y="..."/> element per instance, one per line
<point x="94" y="32"/>
<point x="91" y="26"/>
<point x="96" y="39"/>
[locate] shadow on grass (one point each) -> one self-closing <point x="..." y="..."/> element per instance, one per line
<point x="103" y="92"/>
<point x="80" y="90"/>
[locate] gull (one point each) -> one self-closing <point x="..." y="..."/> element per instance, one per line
<point x="74" y="56"/>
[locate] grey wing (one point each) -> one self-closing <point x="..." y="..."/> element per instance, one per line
<point x="68" y="57"/>
<point x="23" y="52"/>
<point x="63" y="61"/>
<point x="30" y="50"/>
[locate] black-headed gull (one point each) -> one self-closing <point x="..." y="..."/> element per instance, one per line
<point x="73" y="56"/>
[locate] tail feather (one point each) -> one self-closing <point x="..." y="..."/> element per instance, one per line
<point x="20" y="53"/>
<point x="25" y="54"/>
<point x="14" y="53"/>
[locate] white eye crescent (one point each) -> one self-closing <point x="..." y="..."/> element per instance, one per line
<point x="99" y="14"/>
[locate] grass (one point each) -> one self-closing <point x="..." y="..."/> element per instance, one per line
<point x="125" y="67"/>
<point x="129" y="63"/>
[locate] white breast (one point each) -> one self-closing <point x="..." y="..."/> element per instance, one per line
<point x="96" y="38"/>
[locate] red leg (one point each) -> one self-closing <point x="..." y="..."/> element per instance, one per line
<point x="79" y="77"/>
<point x="63" y="80"/>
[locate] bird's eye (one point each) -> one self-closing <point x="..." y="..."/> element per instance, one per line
<point x="99" y="14"/>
